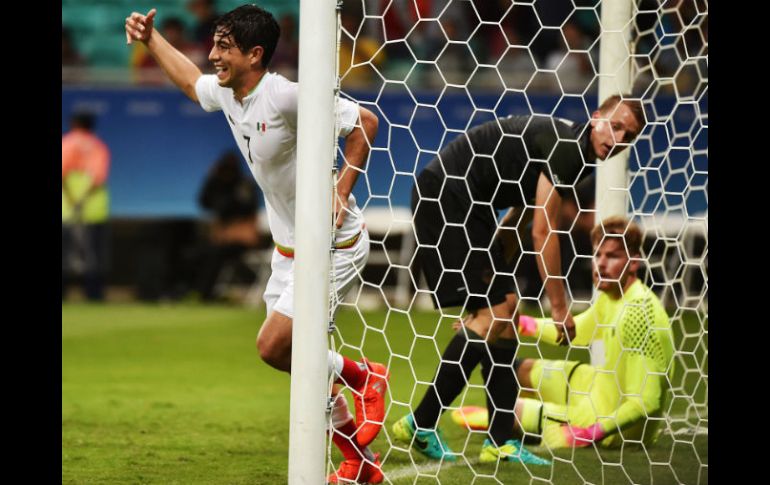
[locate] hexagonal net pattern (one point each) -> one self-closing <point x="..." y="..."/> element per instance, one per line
<point x="490" y="98"/>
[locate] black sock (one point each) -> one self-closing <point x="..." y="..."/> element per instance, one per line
<point x="451" y="377"/>
<point x="502" y="390"/>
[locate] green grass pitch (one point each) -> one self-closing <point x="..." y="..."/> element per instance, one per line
<point x="178" y="395"/>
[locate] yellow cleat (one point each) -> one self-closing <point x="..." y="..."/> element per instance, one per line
<point x="512" y="451"/>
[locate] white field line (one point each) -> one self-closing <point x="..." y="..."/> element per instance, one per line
<point x="430" y="468"/>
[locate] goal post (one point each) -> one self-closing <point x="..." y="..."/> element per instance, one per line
<point x="614" y="78"/>
<point x="315" y="161"/>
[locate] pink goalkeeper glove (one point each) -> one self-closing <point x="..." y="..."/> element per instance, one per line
<point x="527" y="326"/>
<point x="577" y="437"/>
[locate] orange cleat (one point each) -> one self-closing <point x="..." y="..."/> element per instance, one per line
<point x="358" y="471"/>
<point x="370" y="403"/>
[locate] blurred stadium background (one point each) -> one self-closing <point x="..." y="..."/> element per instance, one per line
<point x="167" y="394"/>
<point x="163" y="145"/>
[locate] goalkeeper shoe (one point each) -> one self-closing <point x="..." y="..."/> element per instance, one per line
<point x="370" y="403"/>
<point x="471" y="417"/>
<point x="430" y="443"/>
<point x="512" y="450"/>
<point x="357" y="471"/>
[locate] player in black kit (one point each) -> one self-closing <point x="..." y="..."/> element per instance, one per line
<point x="511" y="163"/>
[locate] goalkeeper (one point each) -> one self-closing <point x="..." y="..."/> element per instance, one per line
<point x="622" y="400"/>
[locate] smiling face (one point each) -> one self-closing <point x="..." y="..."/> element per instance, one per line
<point x="232" y="65"/>
<point x="244" y="41"/>
<point x="613" y="125"/>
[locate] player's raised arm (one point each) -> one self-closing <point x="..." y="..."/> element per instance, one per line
<point x="181" y="70"/>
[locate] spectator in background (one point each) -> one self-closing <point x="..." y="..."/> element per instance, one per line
<point x="516" y="65"/>
<point x="232" y="198"/>
<point x="398" y="19"/>
<point x="487" y="42"/>
<point x="175" y="33"/>
<point x="574" y="68"/>
<point x="206" y="16"/>
<point x="454" y="62"/>
<point x="72" y="62"/>
<point x="85" y="162"/>
<point x="367" y="50"/>
<point x="286" y="58"/>
<point x="70" y="57"/>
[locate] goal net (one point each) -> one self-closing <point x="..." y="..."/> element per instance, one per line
<point x="433" y="69"/>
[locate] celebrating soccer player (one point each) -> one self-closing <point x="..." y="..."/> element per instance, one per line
<point x="261" y="110"/>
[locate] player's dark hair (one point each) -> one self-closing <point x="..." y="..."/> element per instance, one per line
<point x="250" y="26"/>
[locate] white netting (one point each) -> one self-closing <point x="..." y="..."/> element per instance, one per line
<point x="431" y="70"/>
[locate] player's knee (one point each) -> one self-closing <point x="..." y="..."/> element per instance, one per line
<point x="480" y="322"/>
<point x="524" y="372"/>
<point x="271" y="350"/>
<point x="263" y="347"/>
<point x="493" y="322"/>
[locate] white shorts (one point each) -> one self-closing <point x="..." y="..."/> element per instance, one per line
<point x="347" y="264"/>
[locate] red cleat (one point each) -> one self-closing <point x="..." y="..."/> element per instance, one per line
<point x="370" y="403"/>
<point x="357" y="471"/>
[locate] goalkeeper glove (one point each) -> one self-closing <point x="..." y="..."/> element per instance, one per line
<point x="527" y="326"/>
<point x="585" y="436"/>
<point x="568" y="436"/>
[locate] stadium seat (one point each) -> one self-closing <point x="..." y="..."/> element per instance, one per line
<point x="106" y="49"/>
<point x="89" y="18"/>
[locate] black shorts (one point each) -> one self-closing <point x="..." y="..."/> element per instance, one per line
<point x="465" y="266"/>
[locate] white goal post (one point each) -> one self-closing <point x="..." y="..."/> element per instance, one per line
<point x="315" y="162"/>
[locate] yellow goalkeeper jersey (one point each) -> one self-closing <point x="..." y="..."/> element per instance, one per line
<point x="631" y="385"/>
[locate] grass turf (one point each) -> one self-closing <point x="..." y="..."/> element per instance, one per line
<point x="178" y="394"/>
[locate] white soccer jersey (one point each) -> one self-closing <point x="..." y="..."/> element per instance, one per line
<point x="265" y="128"/>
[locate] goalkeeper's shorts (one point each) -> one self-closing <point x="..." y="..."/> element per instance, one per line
<point x="562" y="389"/>
<point x="578" y="394"/>
<point x="562" y="381"/>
